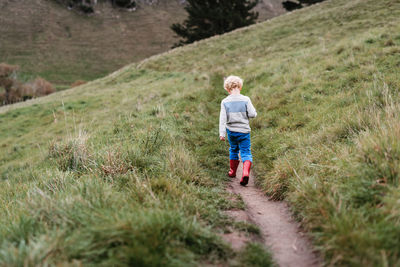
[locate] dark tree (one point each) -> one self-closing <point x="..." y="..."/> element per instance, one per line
<point x="292" y="5"/>
<point x="211" y="17"/>
<point x="124" y="3"/>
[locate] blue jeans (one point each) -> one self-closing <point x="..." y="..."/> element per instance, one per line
<point x="239" y="142"/>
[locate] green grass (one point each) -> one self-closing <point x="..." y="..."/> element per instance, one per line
<point x="131" y="192"/>
<point x="255" y="255"/>
<point x="129" y="169"/>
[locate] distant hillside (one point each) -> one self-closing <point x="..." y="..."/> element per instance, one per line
<point x="62" y="45"/>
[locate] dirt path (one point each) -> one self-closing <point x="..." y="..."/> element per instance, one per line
<point x="289" y="246"/>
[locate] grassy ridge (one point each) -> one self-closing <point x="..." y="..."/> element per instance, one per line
<point x="131" y="151"/>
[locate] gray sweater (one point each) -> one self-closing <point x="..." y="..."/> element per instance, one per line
<point x="235" y="113"/>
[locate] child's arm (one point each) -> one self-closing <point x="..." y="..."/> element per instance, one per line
<point x="251" y="111"/>
<point x="222" y="122"/>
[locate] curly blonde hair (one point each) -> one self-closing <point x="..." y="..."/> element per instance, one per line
<point x="233" y="82"/>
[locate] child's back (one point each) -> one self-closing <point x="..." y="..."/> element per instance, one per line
<point x="235" y="113"/>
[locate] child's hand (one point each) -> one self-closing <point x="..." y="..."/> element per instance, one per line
<point x="222" y="138"/>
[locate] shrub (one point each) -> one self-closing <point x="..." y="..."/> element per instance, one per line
<point x="7" y="70"/>
<point x="15" y="91"/>
<point x="41" y="87"/>
<point x="78" y="83"/>
<point x="7" y="80"/>
<point x="2" y="98"/>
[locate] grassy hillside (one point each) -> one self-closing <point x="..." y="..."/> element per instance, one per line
<point x="129" y="168"/>
<point x="63" y="46"/>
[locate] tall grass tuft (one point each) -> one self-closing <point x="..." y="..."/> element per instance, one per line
<point x="114" y="164"/>
<point x="73" y="154"/>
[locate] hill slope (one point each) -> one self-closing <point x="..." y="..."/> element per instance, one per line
<point x="63" y="46"/>
<point x="47" y="39"/>
<point x="135" y="171"/>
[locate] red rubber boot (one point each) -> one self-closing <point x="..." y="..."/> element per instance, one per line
<point x="246" y="173"/>
<point x="233" y="165"/>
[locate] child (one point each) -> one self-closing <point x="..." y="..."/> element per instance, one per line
<point x="236" y="109"/>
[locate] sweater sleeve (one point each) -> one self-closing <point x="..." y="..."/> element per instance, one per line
<point x="251" y="111"/>
<point x="222" y="121"/>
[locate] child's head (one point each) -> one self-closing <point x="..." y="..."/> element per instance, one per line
<point x="233" y="82"/>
